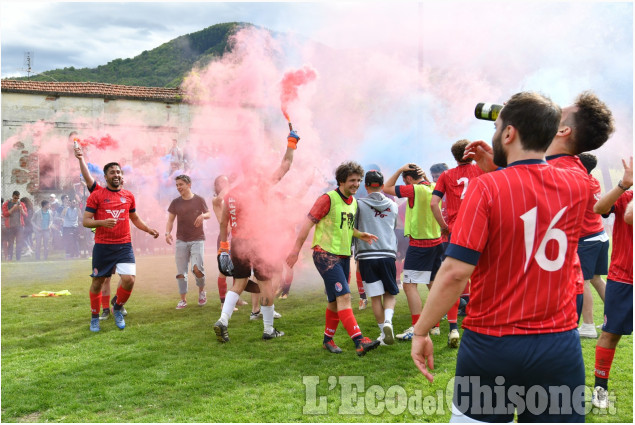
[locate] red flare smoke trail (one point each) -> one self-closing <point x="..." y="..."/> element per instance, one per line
<point x="103" y="143"/>
<point x="290" y="83"/>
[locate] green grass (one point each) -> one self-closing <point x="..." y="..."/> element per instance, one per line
<point x="167" y="366"/>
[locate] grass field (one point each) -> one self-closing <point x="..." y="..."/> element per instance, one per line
<point x="167" y="366"/>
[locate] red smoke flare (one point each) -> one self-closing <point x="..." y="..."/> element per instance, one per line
<point x="290" y="83"/>
<point x="105" y="142"/>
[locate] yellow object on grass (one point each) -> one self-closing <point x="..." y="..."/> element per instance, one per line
<point x="51" y="294"/>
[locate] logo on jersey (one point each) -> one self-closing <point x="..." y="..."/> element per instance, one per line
<point x="116" y="213"/>
<point x="123" y="200"/>
<point x="381" y="213"/>
<point x="347" y="218"/>
<point x="95" y="271"/>
<point x="338" y="287"/>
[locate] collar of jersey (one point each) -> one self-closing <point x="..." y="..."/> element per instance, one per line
<point x="348" y="200"/>
<point x="527" y="162"/>
<point x="118" y="190"/>
<point x="550" y="157"/>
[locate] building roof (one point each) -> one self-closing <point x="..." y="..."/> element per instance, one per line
<point x="101" y="90"/>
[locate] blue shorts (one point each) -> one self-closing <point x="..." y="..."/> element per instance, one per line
<point x="594" y="255"/>
<point x="422" y="264"/>
<point x="618" y="308"/>
<point x="379" y="276"/>
<point x="107" y="256"/>
<point x="541" y="376"/>
<point x="579" y="302"/>
<point x="334" y="270"/>
<point x="246" y="258"/>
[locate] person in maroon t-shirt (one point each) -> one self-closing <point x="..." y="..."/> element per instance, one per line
<point x="515" y="237"/>
<point x="110" y="210"/>
<point x="189" y="210"/>
<point x="618" y="304"/>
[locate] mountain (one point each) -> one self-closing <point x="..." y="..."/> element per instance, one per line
<point x="164" y="66"/>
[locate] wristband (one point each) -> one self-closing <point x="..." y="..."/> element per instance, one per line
<point x="292" y="143"/>
<point x="619" y="184"/>
<point x="224" y="247"/>
<point x="167" y="234"/>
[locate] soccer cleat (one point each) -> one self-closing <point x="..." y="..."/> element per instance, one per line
<point x="365" y="345"/>
<point x="587" y="330"/>
<point x="406" y="335"/>
<point x="389" y="337"/>
<point x="94" y="325"/>
<point x="123" y="311"/>
<point x="274" y="334"/>
<point x="381" y="340"/>
<point x="363" y="302"/>
<point x="276" y="315"/>
<point x="181" y="305"/>
<point x="202" y="298"/>
<point x="435" y="331"/>
<point x="105" y="314"/>
<point x="255" y="316"/>
<point x="331" y="347"/>
<point x="119" y="321"/>
<point x="453" y="338"/>
<point x="221" y="332"/>
<point x="600" y="398"/>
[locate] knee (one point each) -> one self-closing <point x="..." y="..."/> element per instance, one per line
<point x="197" y="272"/>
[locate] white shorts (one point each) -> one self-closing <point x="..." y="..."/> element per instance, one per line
<point x="126" y="269"/>
<point x="416" y="276"/>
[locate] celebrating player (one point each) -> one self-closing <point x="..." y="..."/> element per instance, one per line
<point x="189" y="210"/>
<point x="516" y="236"/>
<point x="618" y="304"/>
<point x="423" y="257"/>
<point x="108" y="210"/>
<point x="250" y="243"/>
<point x="377" y="215"/>
<point x="333" y="214"/>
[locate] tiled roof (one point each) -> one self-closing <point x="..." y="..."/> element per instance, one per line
<point x="102" y="90"/>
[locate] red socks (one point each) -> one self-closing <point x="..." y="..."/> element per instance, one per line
<point x="222" y="287"/>
<point x="453" y="313"/>
<point x="94" y="303"/>
<point x="415" y="317"/>
<point x="332" y="320"/>
<point x="360" y="285"/>
<point x="122" y="295"/>
<point x="349" y="322"/>
<point x="603" y="361"/>
<point x="105" y="301"/>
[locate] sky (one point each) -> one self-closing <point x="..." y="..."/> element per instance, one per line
<point x="416" y="68"/>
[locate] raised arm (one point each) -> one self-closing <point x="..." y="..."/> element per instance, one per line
<point x="287" y="160"/>
<point x="604" y="204"/>
<point x="84" y="168"/>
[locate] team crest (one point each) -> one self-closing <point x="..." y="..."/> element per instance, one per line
<point x="123" y="200"/>
<point x="95" y="271"/>
<point x="338" y="287"/>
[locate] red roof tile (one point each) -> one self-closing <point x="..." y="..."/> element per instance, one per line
<point x="102" y="90"/>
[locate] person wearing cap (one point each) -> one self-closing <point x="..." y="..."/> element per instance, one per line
<point x="377" y="215"/>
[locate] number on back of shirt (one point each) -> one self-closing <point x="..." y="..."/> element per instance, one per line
<point x="552" y="233"/>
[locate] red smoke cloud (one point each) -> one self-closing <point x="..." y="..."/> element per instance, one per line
<point x="103" y="143"/>
<point x="290" y="83"/>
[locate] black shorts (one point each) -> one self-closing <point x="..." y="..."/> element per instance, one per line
<point x="245" y="259"/>
<point x="379" y="276"/>
<point x="107" y="256"/>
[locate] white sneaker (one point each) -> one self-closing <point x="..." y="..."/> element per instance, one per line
<point x="276" y="315"/>
<point x="406" y="335"/>
<point x="435" y="331"/>
<point x="389" y="337"/>
<point x="600" y="398"/>
<point x="381" y="340"/>
<point x="454" y="338"/>
<point x="587" y="330"/>
<point x="202" y="298"/>
<point x="181" y="305"/>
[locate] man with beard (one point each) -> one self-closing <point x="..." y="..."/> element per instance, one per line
<point x="516" y="237"/>
<point x="110" y="210"/>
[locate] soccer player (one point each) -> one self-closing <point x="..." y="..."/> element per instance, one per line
<point x="377" y="215"/>
<point x="618" y="304"/>
<point x="242" y="208"/>
<point x="333" y="214"/>
<point x="425" y="250"/>
<point x="109" y="210"/>
<point x="450" y="188"/>
<point x="189" y="210"/>
<point x="92" y="185"/>
<point x="516" y="236"/>
<point x="594" y="257"/>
